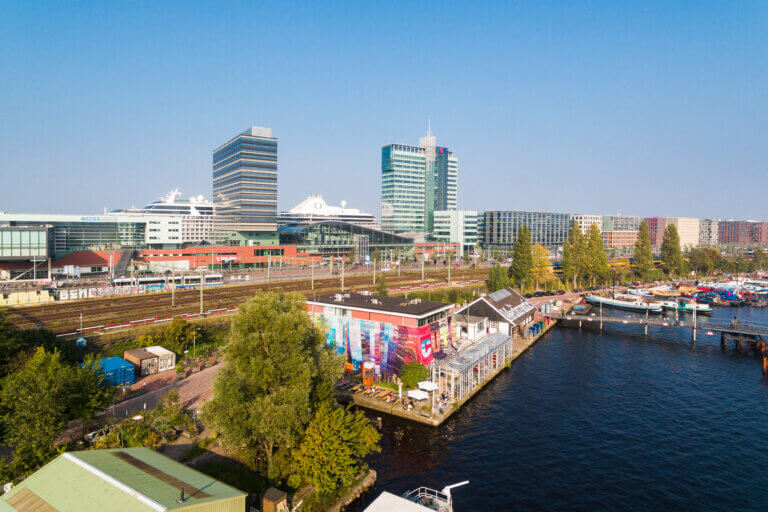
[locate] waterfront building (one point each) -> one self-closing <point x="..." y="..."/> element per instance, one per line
<point x="335" y="238"/>
<point x="709" y="232"/>
<point x="416" y="181"/>
<point x="498" y="229"/>
<point x="687" y="228"/>
<point x="245" y="183"/>
<point x="385" y="331"/>
<point x="196" y="216"/>
<point x="586" y="221"/>
<point x="621" y="223"/>
<point x="457" y="226"/>
<point x="315" y="209"/>
<point x="619" y="240"/>
<point x="135" y="479"/>
<point x="503" y="310"/>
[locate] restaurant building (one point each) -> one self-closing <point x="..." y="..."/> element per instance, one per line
<point x="387" y="331"/>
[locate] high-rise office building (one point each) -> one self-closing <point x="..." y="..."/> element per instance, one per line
<point x="415" y="182"/>
<point x="245" y="182"/>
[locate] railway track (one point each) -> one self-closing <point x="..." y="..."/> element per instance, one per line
<point x="65" y="316"/>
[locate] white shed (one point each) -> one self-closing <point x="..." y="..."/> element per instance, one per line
<point x="166" y="360"/>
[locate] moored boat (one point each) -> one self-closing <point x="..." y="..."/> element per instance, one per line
<point x="627" y="303"/>
<point x="686" y="306"/>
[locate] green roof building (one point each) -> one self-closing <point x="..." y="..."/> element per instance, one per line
<point x="120" y="480"/>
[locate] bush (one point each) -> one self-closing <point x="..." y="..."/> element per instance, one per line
<point x="413" y="373"/>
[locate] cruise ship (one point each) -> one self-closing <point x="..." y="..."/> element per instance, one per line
<point x="196" y="214"/>
<point x="315" y="209"/>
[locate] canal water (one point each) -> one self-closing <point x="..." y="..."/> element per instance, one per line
<point x="589" y="421"/>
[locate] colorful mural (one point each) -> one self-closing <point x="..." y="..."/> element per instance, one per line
<point x="388" y="346"/>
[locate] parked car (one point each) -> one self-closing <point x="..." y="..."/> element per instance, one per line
<point x="560" y="292"/>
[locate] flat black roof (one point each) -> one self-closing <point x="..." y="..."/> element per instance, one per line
<point x="397" y="305"/>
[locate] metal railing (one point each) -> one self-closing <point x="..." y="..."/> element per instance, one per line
<point x="430" y="498"/>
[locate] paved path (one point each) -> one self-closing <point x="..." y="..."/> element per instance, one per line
<point x="189" y="389"/>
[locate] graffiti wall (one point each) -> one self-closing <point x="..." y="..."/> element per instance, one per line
<point x="387" y="345"/>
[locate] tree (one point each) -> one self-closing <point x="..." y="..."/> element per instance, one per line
<point x="497" y="278"/>
<point x="522" y="258"/>
<point x="597" y="263"/>
<point x="331" y="455"/>
<point x="38" y="400"/>
<point x="376" y="256"/>
<point x="412" y="373"/>
<point x="541" y="270"/>
<point x="643" y="256"/>
<point x="759" y="258"/>
<point x="178" y="335"/>
<point x="574" y="255"/>
<point x="381" y="286"/>
<point x="352" y="255"/>
<point x="671" y="255"/>
<point x="11" y="342"/>
<point x="277" y="367"/>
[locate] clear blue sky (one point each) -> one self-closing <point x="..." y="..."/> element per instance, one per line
<point x="646" y="108"/>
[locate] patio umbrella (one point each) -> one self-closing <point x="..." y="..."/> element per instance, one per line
<point x="418" y="394"/>
<point x="427" y="385"/>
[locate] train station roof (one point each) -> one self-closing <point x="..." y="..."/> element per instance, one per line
<point x="125" y="479"/>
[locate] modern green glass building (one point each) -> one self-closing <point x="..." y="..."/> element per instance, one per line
<point x="416" y="181"/>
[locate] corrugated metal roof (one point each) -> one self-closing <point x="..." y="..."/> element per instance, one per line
<point x="100" y="480"/>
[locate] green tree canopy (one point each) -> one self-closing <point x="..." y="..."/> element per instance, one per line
<point x="597" y="262"/>
<point x="497" y="278"/>
<point x="574" y="255"/>
<point x="38" y="400"/>
<point x="541" y="270"/>
<point x="277" y="367"/>
<point x="331" y="454"/>
<point x="412" y="373"/>
<point x="381" y="286"/>
<point x="643" y="255"/>
<point x="759" y="259"/>
<point x="671" y="255"/>
<point x="522" y="258"/>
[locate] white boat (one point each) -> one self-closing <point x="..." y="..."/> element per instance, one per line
<point x="423" y="499"/>
<point x="686" y="306"/>
<point x="626" y="302"/>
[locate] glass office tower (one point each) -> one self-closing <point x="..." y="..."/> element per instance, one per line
<point x="245" y="182"/>
<point x="416" y="181"/>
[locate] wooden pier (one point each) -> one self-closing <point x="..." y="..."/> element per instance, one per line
<point x="753" y="334"/>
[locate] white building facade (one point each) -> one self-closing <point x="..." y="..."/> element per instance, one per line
<point x="586" y="221"/>
<point x="457" y="226"/>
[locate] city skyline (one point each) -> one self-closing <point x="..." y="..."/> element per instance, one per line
<point x="608" y="105"/>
